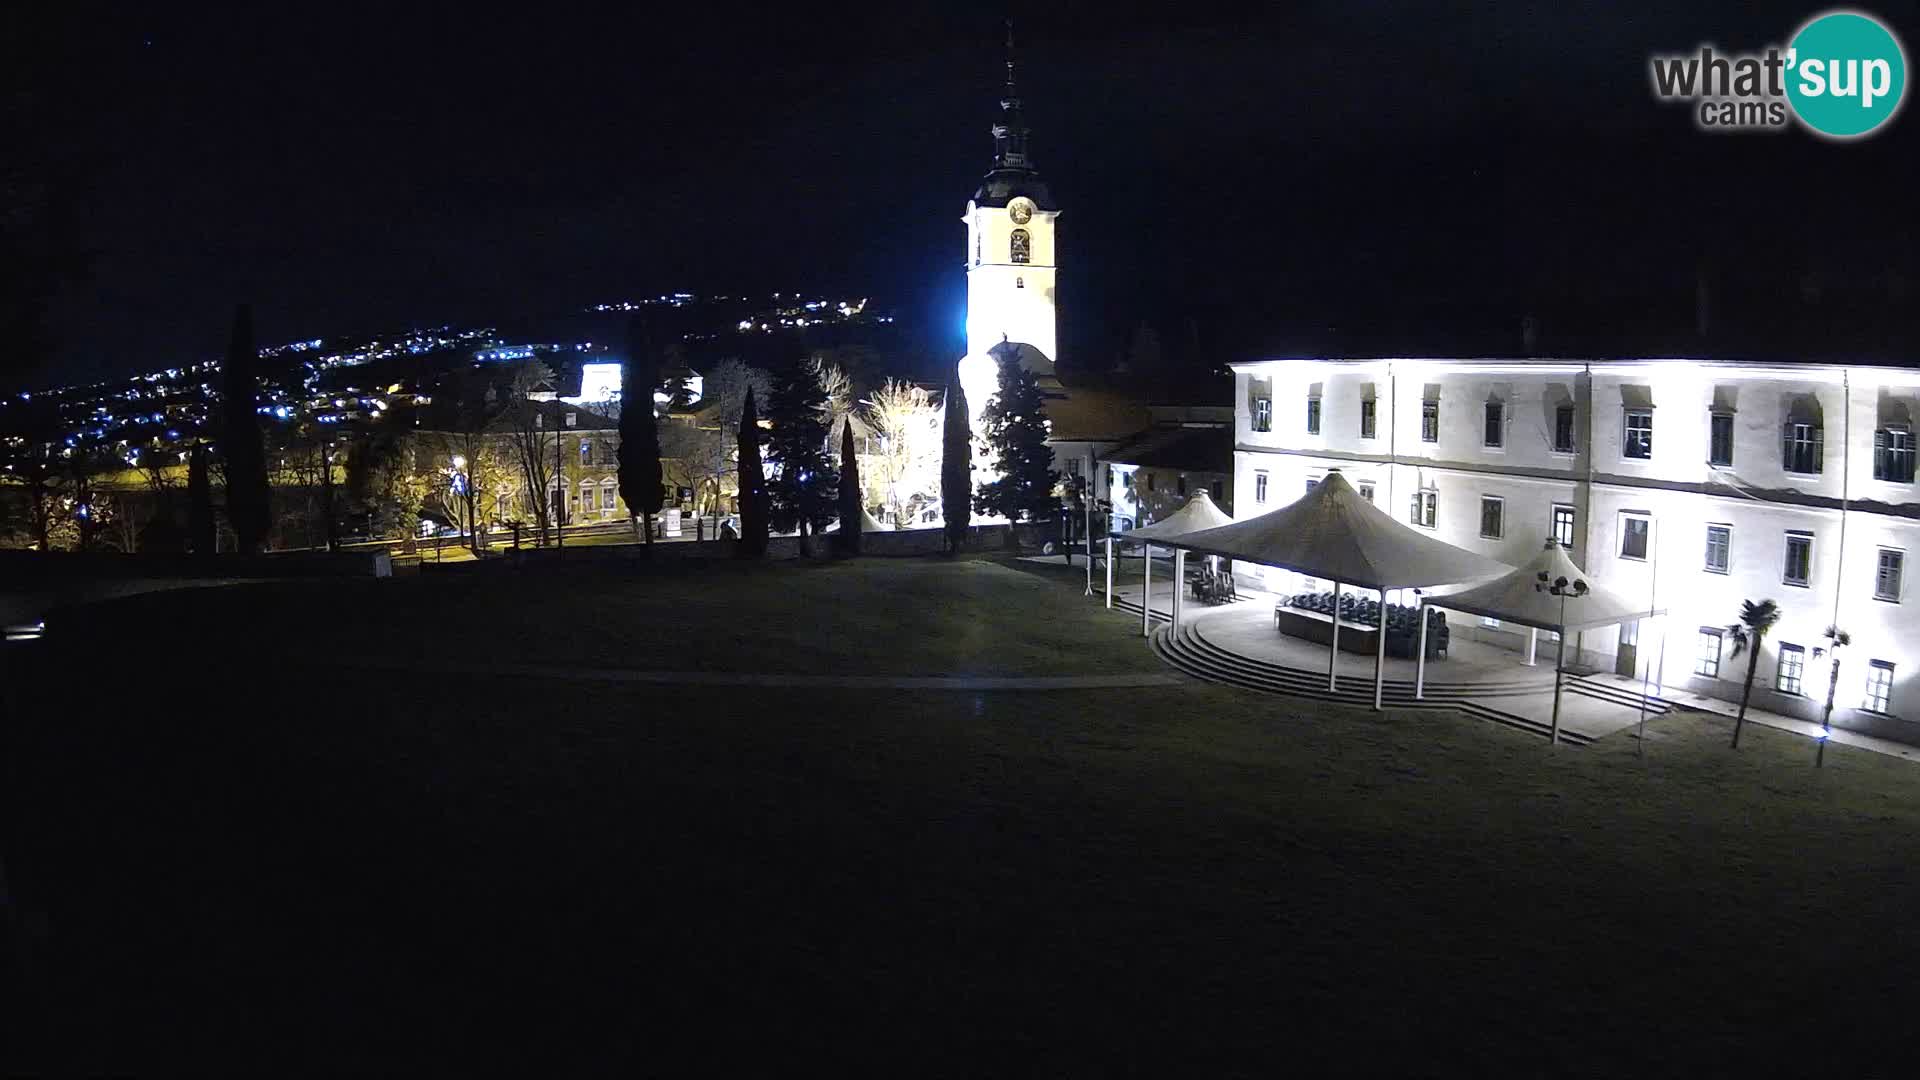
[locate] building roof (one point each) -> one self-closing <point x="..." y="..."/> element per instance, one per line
<point x="1188" y="449"/>
<point x="1087" y="414"/>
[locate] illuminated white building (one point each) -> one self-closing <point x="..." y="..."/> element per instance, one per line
<point x="1699" y="484"/>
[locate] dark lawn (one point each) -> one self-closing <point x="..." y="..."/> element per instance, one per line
<point x="391" y="872"/>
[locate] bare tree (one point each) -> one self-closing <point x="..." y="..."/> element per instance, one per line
<point x="533" y="444"/>
<point x="905" y="465"/>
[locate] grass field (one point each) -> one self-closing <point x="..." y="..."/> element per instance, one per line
<point x="375" y="869"/>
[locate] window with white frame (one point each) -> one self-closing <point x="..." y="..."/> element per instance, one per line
<point x="1563" y="525"/>
<point x="1263" y="414"/>
<point x="573" y="418"/>
<point x="1706" y="653"/>
<point x="1312" y="482"/>
<point x="1489" y="622"/>
<point x="1893" y="454"/>
<point x="1430" y="421"/>
<point x="1493" y="512"/>
<point x="1638" y="440"/>
<point x="1367" y="415"/>
<point x="1313" y="416"/>
<point x="587" y="497"/>
<point x="1879" y="695"/>
<point x="1798" y="567"/>
<point x="1636" y="531"/>
<point x="1563" y="429"/>
<point x="1793" y="663"/>
<point x="1719" y="546"/>
<point x="1887" y="574"/>
<point x="586" y="451"/>
<point x="1366" y="490"/>
<point x="1493" y="432"/>
<point x="1801" y="448"/>
<point x="1426" y="507"/>
<point x="1720" y="438"/>
<point x="608" y="493"/>
<point x="1260" y="487"/>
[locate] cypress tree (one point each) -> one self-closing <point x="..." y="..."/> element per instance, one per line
<point x="1016" y="430"/>
<point x="199" y="501"/>
<point x="753" y="485"/>
<point x="640" y="480"/>
<point x="956" y="467"/>
<point x="850" y="516"/>
<point x="249" y="503"/>
<point x="800" y="496"/>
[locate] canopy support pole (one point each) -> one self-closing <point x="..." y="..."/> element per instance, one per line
<point x="1559" y="665"/>
<point x="1146" y="589"/>
<point x="1420" y="653"/>
<point x="1109" y="572"/>
<point x="1380" y="651"/>
<point x="1333" y="654"/>
<point x="1533" y="644"/>
<point x="1179" y="583"/>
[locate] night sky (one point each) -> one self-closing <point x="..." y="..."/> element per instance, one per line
<point x="1344" y="177"/>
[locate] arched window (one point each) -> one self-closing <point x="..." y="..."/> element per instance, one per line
<point x="1022" y="246"/>
<point x="1019" y="283"/>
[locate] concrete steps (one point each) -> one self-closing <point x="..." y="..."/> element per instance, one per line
<point x="1616" y="695"/>
<point x="1190" y="652"/>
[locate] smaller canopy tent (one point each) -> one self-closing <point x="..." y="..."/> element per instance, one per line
<point x="1526" y="597"/>
<point x="1198" y="513"/>
<point x="868" y="523"/>
<point x="1332" y="532"/>
<point x="1519" y="597"/>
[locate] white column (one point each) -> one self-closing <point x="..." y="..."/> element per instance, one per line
<point x="1380" y="652"/>
<point x="1109" y="572"/>
<point x="1146" y="589"/>
<point x="1333" y="654"/>
<point x="1533" y="644"/>
<point x="1179" y="583"/>
<point x="1420" y="653"/>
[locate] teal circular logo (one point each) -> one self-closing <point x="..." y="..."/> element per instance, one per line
<point x="1846" y="74"/>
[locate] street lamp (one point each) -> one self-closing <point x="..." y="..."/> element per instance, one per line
<point x="1563" y="589"/>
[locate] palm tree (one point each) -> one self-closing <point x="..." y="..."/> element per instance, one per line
<point x="1755" y="621"/>
<point x="1837" y="639"/>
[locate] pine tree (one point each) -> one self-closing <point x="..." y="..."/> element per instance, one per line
<point x="753" y="484"/>
<point x="850" y="516"/>
<point x="956" y="467"/>
<point x="249" y="503"/>
<point x="640" y="480"/>
<point x="801" y="494"/>
<point x="1016" y="432"/>
<point x="199" y="501"/>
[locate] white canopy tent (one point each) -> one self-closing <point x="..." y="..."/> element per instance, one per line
<point x="1527" y="597"/>
<point x="1332" y="532"/>
<point x="868" y="523"/>
<point x="1198" y="513"/>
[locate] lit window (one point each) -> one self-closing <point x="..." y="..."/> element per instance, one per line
<point x="1430" y="421"/>
<point x="1563" y="525"/>
<point x="586" y="498"/>
<point x="1639" y="434"/>
<point x="1263" y="414"/>
<point x="586" y="451"/>
<point x="608" y="494"/>
<point x="1492" y="515"/>
<point x="1426" y="508"/>
<point x="1494" y="434"/>
<point x="1259" y="487"/>
<point x="1893" y="455"/>
<point x="1706" y="653"/>
<point x="1719" y="543"/>
<point x="1489" y="622"/>
<point x="1879" y="696"/>
<point x="1022" y="246"/>
<point x="1635" y="530"/>
<point x="1800" y="450"/>
<point x="1563" y="429"/>
<point x="1886" y="578"/>
<point x="1793" y="662"/>
<point x="1799" y="563"/>
<point x="1367" y="414"/>
<point x="1313" y="416"/>
<point x="1720" y="439"/>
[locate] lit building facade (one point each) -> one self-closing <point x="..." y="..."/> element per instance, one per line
<point x="1698" y="484"/>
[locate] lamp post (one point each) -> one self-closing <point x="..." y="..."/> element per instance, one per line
<point x="1563" y="589"/>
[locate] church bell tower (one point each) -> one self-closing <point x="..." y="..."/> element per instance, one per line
<point x="1010" y="254"/>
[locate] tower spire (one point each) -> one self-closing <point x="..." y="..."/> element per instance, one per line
<point x="1010" y="131"/>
